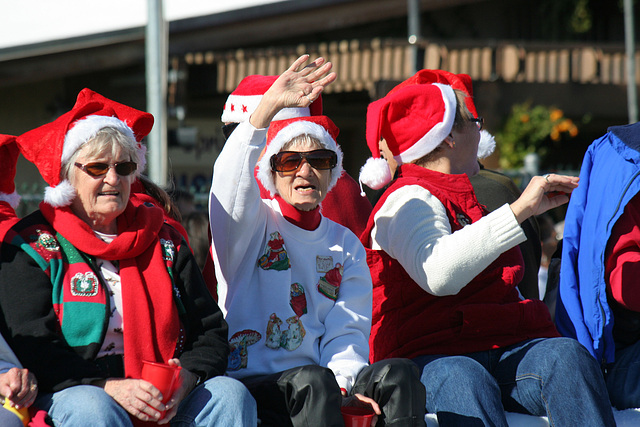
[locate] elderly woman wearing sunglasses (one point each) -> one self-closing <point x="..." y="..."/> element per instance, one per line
<point x="92" y="284"/>
<point x="294" y="286"/>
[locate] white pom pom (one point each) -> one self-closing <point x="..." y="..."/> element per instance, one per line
<point x="375" y="173"/>
<point x="486" y="145"/>
<point x="60" y="195"/>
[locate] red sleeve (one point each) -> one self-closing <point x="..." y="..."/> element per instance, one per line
<point x="622" y="258"/>
<point x="346" y="206"/>
<point x="8" y="217"/>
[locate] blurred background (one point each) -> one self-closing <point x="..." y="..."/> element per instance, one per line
<point x="549" y="76"/>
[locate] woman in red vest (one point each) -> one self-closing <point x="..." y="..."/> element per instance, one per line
<point x="445" y="273"/>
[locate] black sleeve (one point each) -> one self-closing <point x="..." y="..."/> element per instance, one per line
<point x="30" y="325"/>
<point x="206" y="348"/>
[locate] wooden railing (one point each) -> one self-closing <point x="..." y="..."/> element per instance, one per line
<point x="360" y="64"/>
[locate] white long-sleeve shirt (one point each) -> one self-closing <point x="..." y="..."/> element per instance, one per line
<point x="412" y="226"/>
<point x="280" y="319"/>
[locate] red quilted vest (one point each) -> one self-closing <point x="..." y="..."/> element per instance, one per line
<point x="486" y="314"/>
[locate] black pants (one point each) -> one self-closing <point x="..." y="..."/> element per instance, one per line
<point x="309" y="396"/>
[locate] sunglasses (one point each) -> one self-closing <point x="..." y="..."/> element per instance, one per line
<point x="99" y="169"/>
<point x="289" y="161"/>
<point x="479" y="122"/>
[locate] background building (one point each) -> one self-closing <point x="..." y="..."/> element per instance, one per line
<point x="567" y="54"/>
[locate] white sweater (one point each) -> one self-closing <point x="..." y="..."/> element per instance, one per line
<point x="412" y="226"/>
<point x="331" y="333"/>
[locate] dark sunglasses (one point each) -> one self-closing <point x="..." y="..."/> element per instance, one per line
<point x="289" y="161"/>
<point x="479" y="122"/>
<point x="99" y="169"/>
<point x="228" y="129"/>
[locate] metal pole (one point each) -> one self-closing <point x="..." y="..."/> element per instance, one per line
<point x="156" y="74"/>
<point x="413" y="26"/>
<point x="629" y="36"/>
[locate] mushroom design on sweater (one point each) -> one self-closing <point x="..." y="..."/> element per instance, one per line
<point x="238" y="358"/>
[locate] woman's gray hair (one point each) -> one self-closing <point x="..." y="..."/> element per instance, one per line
<point x="304" y="139"/>
<point x="106" y="140"/>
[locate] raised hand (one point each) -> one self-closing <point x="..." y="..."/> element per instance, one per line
<point x="297" y="87"/>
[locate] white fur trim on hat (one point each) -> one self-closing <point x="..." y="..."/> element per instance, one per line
<point x="487" y="144"/>
<point x="13" y="199"/>
<point x="375" y="173"/>
<point x="285" y="135"/>
<point x="434" y="137"/>
<point x="87" y="128"/>
<point x="142" y="157"/>
<point x="61" y="195"/>
<point x="239" y="108"/>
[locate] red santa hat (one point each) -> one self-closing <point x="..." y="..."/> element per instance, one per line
<point x="460" y="82"/>
<point x="8" y="160"/>
<point x="50" y="146"/>
<point x="413" y="120"/>
<point x="282" y="131"/>
<point x="242" y="102"/>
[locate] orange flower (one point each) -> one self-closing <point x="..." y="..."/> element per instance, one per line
<point x="555" y="134"/>
<point x="573" y="131"/>
<point x="565" y="125"/>
<point x="556" y="114"/>
<point x="524" y="118"/>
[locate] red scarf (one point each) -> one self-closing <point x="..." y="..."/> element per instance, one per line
<point x="150" y="316"/>
<point x="307" y="220"/>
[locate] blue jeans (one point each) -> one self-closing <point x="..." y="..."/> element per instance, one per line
<point x="9" y="419"/>
<point x="623" y="378"/>
<point x="555" y="377"/>
<point x="220" y="401"/>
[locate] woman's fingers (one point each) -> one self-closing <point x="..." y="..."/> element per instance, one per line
<point x="298" y="63"/>
<point x="138" y="397"/>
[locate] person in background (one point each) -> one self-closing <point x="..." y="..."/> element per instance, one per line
<point x="92" y="284"/>
<point x="9" y="197"/>
<point x="143" y="190"/>
<point x="548" y="244"/>
<point x="598" y="299"/>
<point x="197" y="225"/>
<point x="445" y="272"/>
<point x="17" y="385"/>
<point x="294" y="286"/>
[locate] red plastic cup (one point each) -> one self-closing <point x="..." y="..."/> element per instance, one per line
<point x="355" y="416"/>
<point x="164" y="377"/>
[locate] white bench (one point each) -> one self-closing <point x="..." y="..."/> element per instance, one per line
<point x="626" y="418"/>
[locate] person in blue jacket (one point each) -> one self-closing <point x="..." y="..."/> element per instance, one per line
<point x="600" y="254"/>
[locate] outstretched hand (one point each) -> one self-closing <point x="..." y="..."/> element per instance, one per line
<point x="543" y="193"/>
<point x="297" y="87"/>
